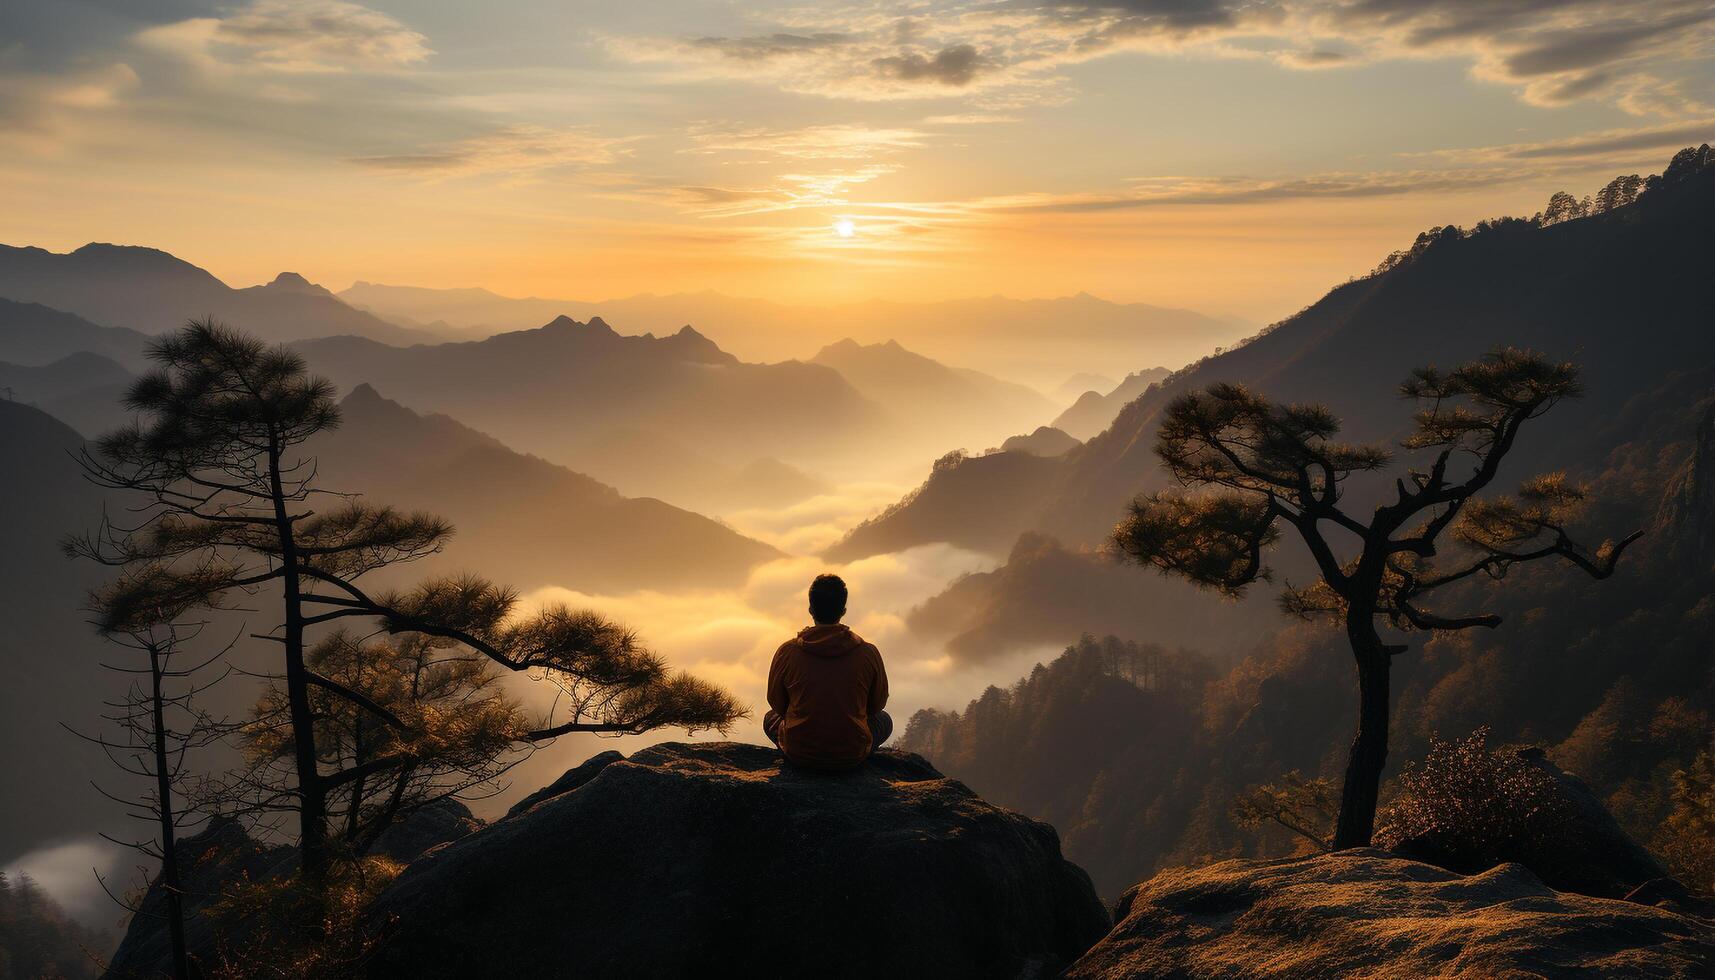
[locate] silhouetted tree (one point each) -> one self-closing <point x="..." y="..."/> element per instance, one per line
<point x="216" y="455"/>
<point x="157" y="720"/>
<point x="1262" y="464"/>
<point x="1564" y="207"/>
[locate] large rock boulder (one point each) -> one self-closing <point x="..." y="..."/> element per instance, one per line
<point x="1569" y="839"/>
<point x="1369" y="913"/>
<point x="717" y="860"/>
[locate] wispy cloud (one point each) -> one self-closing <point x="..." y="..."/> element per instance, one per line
<point x="43" y="111"/>
<point x="832" y="142"/>
<point x="1550" y="51"/>
<point x="293" y="36"/>
<point x="788" y="192"/>
<point x="513" y="151"/>
<point x="1650" y="144"/>
<point x="1150" y="192"/>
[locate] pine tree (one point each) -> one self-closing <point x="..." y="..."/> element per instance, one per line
<point x="1260" y="465"/>
<point x="228" y="503"/>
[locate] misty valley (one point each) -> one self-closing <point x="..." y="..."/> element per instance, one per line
<point x="420" y="632"/>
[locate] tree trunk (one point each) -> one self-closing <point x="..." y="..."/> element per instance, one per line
<point x="169" y="839"/>
<point x="312" y="796"/>
<point x="1369" y="746"/>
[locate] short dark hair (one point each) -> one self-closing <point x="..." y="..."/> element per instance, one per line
<point x="827" y="599"/>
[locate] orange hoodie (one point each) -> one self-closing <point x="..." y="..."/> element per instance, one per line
<point x="825" y="683"/>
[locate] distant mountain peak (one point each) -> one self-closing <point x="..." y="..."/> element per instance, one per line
<point x="294" y="281"/>
<point x="691" y="345"/>
<point x="363" y="393"/>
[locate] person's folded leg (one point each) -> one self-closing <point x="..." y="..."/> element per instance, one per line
<point x="880" y="727"/>
<point x="771" y="725"/>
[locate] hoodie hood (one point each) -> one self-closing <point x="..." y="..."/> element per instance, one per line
<point x="829" y="641"/>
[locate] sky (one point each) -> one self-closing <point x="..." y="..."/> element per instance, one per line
<point x="1231" y="156"/>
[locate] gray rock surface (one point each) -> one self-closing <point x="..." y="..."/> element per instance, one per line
<point x="716" y="860"/>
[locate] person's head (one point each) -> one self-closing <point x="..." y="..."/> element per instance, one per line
<point x="827" y="599"/>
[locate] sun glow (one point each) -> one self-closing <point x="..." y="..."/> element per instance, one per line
<point x="845" y="228"/>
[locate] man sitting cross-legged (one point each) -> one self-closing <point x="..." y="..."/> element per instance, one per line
<point x="827" y="688"/>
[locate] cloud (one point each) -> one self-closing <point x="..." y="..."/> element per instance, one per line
<point x="793" y="191"/>
<point x="514" y="150"/>
<point x="830" y="142"/>
<point x="43" y="112"/>
<point x="293" y="36"/>
<point x="1550" y="51"/>
<point x="955" y="66"/>
<point x="769" y="46"/>
<point x="1189" y="191"/>
<point x="1644" y="143"/>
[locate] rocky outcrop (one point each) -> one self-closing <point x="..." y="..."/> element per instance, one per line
<point x="438" y="822"/>
<point x="1576" y="845"/>
<point x="716" y="860"/>
<point x="570" y="780"/>
<point x="1368" y="913"/>
<point x="220" y="854"/>
<point x="1687" y="513"/>
<point x="223" y="855"/>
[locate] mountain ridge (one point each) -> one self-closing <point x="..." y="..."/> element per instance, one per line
<point x="153" y="291"/>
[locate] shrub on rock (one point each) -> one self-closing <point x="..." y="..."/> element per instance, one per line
<point x="1468" y="809"/>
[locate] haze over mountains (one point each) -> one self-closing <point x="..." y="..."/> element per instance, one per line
<point x="32" y="334"/>
<point x="1038" y="342"/>
<point x="559" y="388"/>
<point x="151" y="291"/>
<point x="1096" y="409"/>
<point x="1621" y="292"/>
<point x="1610" y="679"/>
<point x="520" y="520"/>
<point x="966" y="407"/>
<point x="546" y="445"/>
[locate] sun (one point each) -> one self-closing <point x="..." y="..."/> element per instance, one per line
<point x="844" y="228"/>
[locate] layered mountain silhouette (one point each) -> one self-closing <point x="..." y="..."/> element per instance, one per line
<point x="564" y="386"/>
<point x="1040" y="342"/>
<point x="958" y="405"/>
<point x="83" y="389"/>
<point x="1046" y="592"/>
<point x="32" y="334"/>
<point x="152" y="291"/>
<point x="521" y="518"/>
<point x="1624" y="293"/>
<point x="1073" y="388"/>
<point x="1094" y="411"/>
